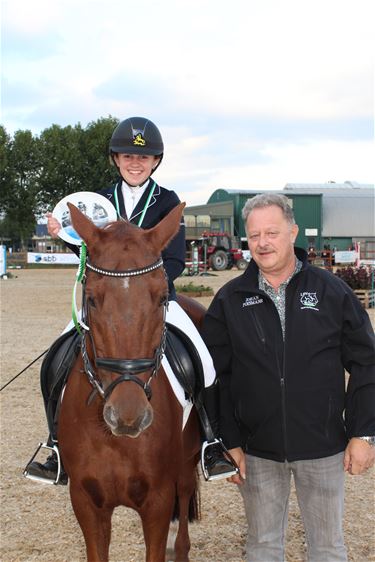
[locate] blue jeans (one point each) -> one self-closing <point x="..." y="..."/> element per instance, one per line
<point x="320" y="493"/>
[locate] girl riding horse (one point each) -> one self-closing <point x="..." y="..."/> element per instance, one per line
<point x="136" y="148"/>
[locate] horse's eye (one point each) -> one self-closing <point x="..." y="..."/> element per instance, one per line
<point x="91" y="302"/>
<point x="163" y="300"/>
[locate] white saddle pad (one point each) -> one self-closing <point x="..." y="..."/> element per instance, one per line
<point x="178" y="390"/>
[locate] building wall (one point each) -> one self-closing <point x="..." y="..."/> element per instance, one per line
<point x="348" y="208"/>
<point x="308" y="214"/>
<point x="202" y="218"/>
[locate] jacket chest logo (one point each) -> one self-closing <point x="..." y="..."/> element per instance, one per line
<point x="250" y="301"/>
<point x="309" y="300"/>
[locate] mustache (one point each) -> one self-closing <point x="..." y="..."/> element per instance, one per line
<point x="264" y="249"/>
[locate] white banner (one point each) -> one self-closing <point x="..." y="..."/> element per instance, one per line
<point x="33" y="257"/>
<point x="345" y="257"/>
<point x="3" y="260"/>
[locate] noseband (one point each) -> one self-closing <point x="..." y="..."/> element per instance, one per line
<point x="126" y="368"/>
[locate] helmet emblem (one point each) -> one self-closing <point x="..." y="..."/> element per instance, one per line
<point x="139" y="140"/>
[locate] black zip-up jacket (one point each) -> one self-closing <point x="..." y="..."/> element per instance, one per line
<point x="285" y="399"/>
<point x="161" y="203"/>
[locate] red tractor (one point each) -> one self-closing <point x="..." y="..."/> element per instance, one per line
<point x="220" y="251"/>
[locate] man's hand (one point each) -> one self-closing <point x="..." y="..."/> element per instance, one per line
<point x="359" y="456"/>
<point x="53" y="225"/>
<point x="239" y="456"/>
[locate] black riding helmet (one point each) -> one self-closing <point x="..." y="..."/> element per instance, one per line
<point x="137" y="135"/>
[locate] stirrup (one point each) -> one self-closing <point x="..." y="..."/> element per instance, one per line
<point x="52" y="448"/>
<point x="231" y="472"/>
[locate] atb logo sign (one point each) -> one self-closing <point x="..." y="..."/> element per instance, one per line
<point x="45" y="258"/>
<point x="309" y="300"/>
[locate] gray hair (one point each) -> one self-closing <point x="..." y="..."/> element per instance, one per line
<point x="266" y="200"/>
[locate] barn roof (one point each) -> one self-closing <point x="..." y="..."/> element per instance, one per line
<point x="348" y="208"/>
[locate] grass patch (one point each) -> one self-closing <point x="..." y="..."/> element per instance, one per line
<point x="194" y="290"/>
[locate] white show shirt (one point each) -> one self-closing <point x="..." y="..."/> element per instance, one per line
<point x="132" y="195"/>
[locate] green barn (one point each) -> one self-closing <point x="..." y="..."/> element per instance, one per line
<point x="335" y="215"/>
<point x="223" y="213"/>
<point x="307" y="210"/>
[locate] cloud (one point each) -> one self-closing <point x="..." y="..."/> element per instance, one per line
<point x="251" y="94"/>
<point x="30" y="18"/>
<point x="17" y="45"/>
<point x="254" y="60"/>
<point x="272" y="167"/>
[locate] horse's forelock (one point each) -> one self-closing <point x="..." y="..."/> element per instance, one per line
<point x="120" y="230"/>
<point x="120" y="235"/>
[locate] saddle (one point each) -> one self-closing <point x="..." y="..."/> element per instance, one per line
<point x="57" y="364"/>
<point x="54" y="372"/>
<point x="185" y="361"/>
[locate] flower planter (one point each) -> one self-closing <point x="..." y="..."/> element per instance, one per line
<point x="196" y="293"/>
<point x="191" y="290"/>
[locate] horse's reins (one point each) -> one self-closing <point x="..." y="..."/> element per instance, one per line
<point x="126" y="368"/>
<point x="24" y="369"/>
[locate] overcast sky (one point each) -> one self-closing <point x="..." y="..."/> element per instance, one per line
<point x="247" y="93"/>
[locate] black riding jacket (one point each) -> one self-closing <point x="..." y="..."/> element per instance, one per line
<point x="284" y="399"/>
<point x="161" y="203"/>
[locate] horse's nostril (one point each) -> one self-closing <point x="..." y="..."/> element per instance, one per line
<point x="120" y="424"/>
<point x="110" y="416"/>
<point x="147" y="418"/>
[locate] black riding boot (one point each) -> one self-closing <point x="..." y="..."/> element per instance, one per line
<point x="215" y="460"/>
<point x="53" y="374"/>
<point x="52" y="470"/>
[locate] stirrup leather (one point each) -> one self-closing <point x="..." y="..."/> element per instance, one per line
<point x="52" y="448"/>
<point x="231" y="472"/>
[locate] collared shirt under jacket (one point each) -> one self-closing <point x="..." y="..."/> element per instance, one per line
<point x="286" y="399"/>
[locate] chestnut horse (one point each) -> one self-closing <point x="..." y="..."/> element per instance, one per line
<point x="120" y="426"/>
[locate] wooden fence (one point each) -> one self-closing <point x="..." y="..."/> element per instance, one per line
<point x="366" y="297"/>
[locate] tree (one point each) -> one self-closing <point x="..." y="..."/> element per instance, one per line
<point x="97" y="169"/>
<point x="19" y="184"/>
<point x="37" y="172"/>
<point x="60" y="149"/>
<point x="74" y="159"/>
<point x="5" y="169"/>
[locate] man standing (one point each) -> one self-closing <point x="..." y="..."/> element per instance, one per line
<point x="281" y="336"/>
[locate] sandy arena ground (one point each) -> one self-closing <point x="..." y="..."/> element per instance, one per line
<point x="37" y="522"/>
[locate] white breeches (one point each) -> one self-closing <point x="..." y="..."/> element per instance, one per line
<point x="178" y="317"/>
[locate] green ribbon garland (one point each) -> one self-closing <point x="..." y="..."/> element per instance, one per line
<point x="79" y="276"/>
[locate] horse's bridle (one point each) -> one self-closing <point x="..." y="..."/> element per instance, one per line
<point x="126" y="368"/>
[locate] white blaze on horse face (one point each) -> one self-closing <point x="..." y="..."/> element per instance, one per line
<point x="126" y="283"/>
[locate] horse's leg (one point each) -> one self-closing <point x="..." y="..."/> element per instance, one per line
<point x="156" y="518"/>
<point x="187" y="489"/>
<point x="95" y="523"/>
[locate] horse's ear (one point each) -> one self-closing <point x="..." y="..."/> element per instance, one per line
<point x="166" y="229"/>
<point x="82" y="225"/>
